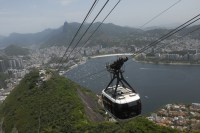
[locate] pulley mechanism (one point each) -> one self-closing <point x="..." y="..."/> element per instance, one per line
<point x="117" y="73"/>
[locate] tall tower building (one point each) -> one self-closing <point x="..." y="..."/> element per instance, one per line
<point x="10" y="64"/>
<point x="2" y="66"/>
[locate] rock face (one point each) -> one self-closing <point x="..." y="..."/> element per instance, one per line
<point x="65" y="27"/>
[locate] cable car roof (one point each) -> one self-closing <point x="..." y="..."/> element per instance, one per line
<point x="123" y="95"/>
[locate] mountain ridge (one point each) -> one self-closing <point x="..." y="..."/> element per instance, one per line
<point x="14" y="50"/>
<point x="108" y="34"/>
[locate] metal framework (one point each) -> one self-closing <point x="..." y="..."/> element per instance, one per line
<point x="117" y="73"/>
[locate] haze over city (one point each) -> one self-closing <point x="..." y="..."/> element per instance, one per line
<point x="32" y="16"/>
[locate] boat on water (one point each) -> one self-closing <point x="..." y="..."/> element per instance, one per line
<point x="120" y="100"/>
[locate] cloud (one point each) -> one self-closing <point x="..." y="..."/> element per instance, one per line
<point x="6" y="12"/>
<point x="65" y="2"/>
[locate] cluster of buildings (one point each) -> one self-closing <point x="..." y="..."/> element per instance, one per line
<point x="11" y="63"/>
<point x="98" y="50"/>
<point x="17" y="67"/>
<point x="15" y="76"/>
<point x="3" y="94"/>
<point x="50" y="56"/>
<point x="15" y="70"/>
<point x="190" y="55"/>
<point x="17" y="73"/>
<point x="184" y="49"/>
<point x="178" y="116"/>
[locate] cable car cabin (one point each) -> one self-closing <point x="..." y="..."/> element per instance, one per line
<point x="120" y="100"/>
<point x="125" y="104"/>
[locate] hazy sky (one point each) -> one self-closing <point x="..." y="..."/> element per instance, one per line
<point x="29" y="16"/>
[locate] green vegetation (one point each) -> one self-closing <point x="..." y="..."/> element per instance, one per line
<point x="137" y="125"/>
<point x="54" y="103"/>
<point x="54" y="107"/>
<point x="13" y="50"/>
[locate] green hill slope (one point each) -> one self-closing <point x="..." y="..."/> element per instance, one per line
<point x="55" y="104"/>
<point x="13" y="50"/>
<point x="55" y="107"/>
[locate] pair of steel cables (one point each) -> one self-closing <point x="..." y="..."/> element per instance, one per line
<point x="172" y="32"/>
<point x="63" y="59"/>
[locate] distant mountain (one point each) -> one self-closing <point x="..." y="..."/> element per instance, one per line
<point x="27" y="40"/>
<point x="162" y="31"/>
<point x="108" y="35"/>
<point x="153" y="28"/>
<point x="1" y="37"/>
<point x="193" y="35"/>
<point x="156" y="32"/>
<point x="166" y="26"/>
<point x="13" y="50"/>
<point x="62" y="35"/>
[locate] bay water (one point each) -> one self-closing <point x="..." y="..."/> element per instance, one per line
<point x="157" y="84"/>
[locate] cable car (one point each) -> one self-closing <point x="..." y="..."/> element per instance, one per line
<point x="120" y="100"/>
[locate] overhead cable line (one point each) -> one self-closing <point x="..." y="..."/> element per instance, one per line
<point x="84" y="34"/>
<point x="178" y="38"/>
<point x="86" y="17"/>
<point x="92" y="74"/>
<point x="106" y="18"/>
<point x="84" y="44"/>
<point x="160" y="14"/>
<point x="179" y="28"/>
<point x="168" y="36"/>
<point x="110" y="13"/>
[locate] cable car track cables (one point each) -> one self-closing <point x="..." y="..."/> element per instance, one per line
<point x="179" y="28"/>
<point x="86" y="17"/>
<point x="84" y="44"/>
<point x="158" y="15"/>
<point x="83" y="34"/>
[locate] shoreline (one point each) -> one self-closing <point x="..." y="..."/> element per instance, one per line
<point x="109" y="55"/>
<point x="94" y="57"/>
<point x="76" y="65"/>
<point x="133" y="59"/>
<point x="145" y="62"/>
<point x="162" y="63"/>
